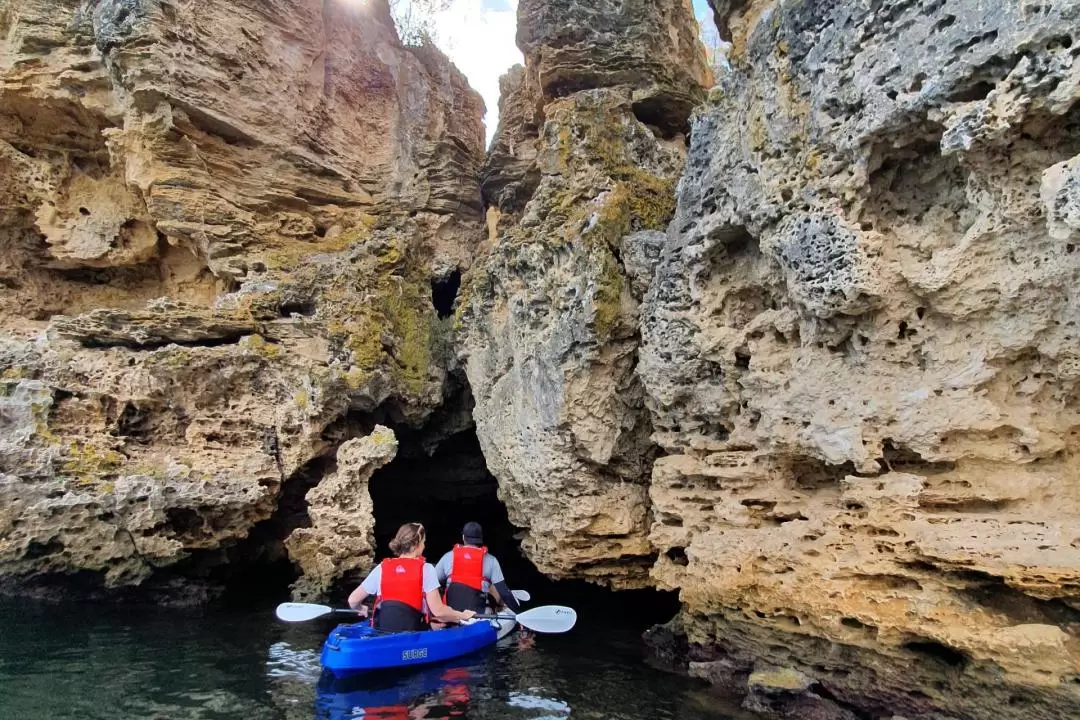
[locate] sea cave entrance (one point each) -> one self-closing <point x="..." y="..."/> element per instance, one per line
<point x="452" y="486"/>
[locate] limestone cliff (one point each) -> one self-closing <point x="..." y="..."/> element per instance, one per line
<point x="860" y="354"/>
<point x="219" y="224"/>
<point x="589" y="150"/>
<point x="847" y="434"/>
<point x="807" y="355"/>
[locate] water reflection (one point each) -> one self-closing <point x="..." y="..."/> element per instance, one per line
<point x="298" y="663"/>
<point x="446" y="690"/>
<point x="439" y="691"/>
<point x="553" y="709"/>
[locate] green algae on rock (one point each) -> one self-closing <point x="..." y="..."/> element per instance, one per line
<point x="201" y="278"/>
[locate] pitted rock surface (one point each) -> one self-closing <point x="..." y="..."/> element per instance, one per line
<point x="860" y="354"/>
<point x="210" y="259"/>
<point x="341" y="538"/>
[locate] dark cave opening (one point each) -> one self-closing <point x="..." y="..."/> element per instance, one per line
<point x="452" y="486"/>
<point x="259" y="566"/>
<point x="444" y="293"/>
<point x="442" y="482"/>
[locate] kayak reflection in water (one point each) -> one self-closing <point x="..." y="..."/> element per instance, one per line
<point x="438" y="691"/>
<point x="405" y="587"/>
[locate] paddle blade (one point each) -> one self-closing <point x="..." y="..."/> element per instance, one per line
<point x="301" y="612"/>
<point x="522" y="596"/>
<point x="548" y="619"/>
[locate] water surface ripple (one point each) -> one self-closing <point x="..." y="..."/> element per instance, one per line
<point x="93" y="661"/>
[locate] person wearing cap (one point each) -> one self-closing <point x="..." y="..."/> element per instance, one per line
<point x="470" y="573"/>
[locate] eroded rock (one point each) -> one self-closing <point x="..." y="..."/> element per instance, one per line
<point x="341" y="537"/>
<point x="550" y="313"/>
<point x="859" y="352"/>
<point x="209" y="260"/>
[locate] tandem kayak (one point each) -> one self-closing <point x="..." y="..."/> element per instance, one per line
<point x="360" y="648"/>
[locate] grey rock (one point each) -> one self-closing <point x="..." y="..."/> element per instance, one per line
<point x="860" y="334"/>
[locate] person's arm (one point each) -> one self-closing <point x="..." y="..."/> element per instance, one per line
<point x="356" y="600"/>
<point x="443" y="612"/>
<point x="499" y="589"/>
<point x="442" y="570"/>
<point x="439" y="610"/>
<point x="369" y="587"/>
<point x="502" y="592"/>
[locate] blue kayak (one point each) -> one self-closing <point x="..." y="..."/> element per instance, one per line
<point x="360" y="648"/>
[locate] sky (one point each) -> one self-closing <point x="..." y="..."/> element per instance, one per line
<point x="478" y="35"/>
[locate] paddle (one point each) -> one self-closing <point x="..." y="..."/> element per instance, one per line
<point x="522" y="596"/>
<point x="302" y="612"/>
<point x="544" y="619"/>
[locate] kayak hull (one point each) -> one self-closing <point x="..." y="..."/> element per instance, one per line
<point x="360" y="648"/>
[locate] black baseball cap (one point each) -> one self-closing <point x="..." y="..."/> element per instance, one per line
<point x="472" y="532"/>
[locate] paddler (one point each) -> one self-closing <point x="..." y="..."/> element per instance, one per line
<point x="471" y="573"/>
<point x="405" y="587"/>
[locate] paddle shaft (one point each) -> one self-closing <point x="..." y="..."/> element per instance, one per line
<point x="545" y="619"/>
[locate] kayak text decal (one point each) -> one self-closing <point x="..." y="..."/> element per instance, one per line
<point x="415" y="654"/>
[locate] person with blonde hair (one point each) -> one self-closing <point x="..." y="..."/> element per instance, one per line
<point x="405" y="587"/>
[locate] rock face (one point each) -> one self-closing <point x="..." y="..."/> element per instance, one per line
<point x="588" y="151"/>
<point x="219" y="225"/>
<point x="860" y="356"/>
<point x="854" y="392"/>
<point x="341" y="536"/>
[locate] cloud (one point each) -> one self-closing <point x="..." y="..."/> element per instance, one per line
<point x="478" y="35"/>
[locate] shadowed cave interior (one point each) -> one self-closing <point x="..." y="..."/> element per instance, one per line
<point x="453" y="486"/>
<point x="443" y="490"/>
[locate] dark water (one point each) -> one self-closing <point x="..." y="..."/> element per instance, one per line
<point x="90" y="662"/>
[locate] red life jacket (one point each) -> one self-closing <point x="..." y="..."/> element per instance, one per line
<point x="468" y="568"/>
<point x="403" y="581"/>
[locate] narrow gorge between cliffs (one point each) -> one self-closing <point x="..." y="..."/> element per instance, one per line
<point x="763" y="355"/>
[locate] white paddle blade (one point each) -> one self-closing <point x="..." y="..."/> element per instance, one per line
<point x="301" y="612"/>
<point x="548" y="619"/>
<point x="522" y="596"/>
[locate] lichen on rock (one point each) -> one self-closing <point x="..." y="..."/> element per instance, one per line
<point x="858" y="350"/>
<point x="589" y="153"/>
<point x="210" y="259"/>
